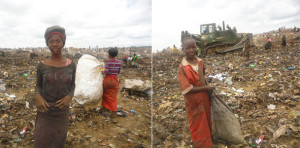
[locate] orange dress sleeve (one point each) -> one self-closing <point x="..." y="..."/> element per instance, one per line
<point x="184" y="84"/>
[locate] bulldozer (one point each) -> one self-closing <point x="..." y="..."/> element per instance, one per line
<point x="214" y="39"/>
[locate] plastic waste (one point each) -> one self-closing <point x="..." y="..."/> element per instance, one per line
<point x="5" y="74"/>
<point x="230" y="66"/>
<point x="260" y="139"/>
<point x="2" y="88"/>
<point x="272" y="95"/>
<point x="2" y="118"/>
<point x="220" y="76"/>
<point x="17" y="140"/>
<point x="132" y="111"/>
<point x="12" y="96"/>
<point x="22" y="133"/>
<point x="137" y="85"/>
<point x="233" y="89"/>
<point x="282" y="130"/>
<point x="121" y="113"/>
<point x="27" y="104"/>
<point x="240" y="91"/>
<point x="271" y="106"/>
<point x="228" y="81"/>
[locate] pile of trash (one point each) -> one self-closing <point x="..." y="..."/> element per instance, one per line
<point x="263" y="92"/>
<point x="87" y="127"/>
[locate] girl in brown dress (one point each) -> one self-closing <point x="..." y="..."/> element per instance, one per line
<point x="54" y="91"/>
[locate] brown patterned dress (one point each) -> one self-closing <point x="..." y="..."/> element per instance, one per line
<point x="53" y="84"/>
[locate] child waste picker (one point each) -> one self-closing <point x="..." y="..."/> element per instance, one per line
<point x="194" y="87"/>
<point x="111" y="83"/>
<point x="54" y="91"/>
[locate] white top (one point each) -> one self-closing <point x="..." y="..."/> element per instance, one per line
<point x="195" y="67"/>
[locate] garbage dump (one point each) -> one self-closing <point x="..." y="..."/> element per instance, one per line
<point x="263" y="93"/>
<point x="87" y="127"/>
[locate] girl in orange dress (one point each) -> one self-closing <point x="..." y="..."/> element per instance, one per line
<point x="194" y="87"/>
<point x="111" y="83"/>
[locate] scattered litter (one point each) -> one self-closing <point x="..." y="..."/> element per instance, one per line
<point x="27" y="104"/>
<point x="2" y="88"/>
<point x="230" y="66"/>
<point x="5" y="74"/>
<point x="260" y="139"/>
<point x="132" y="111"/>
<point x="17" y="140"/>
<point x="271" y="106"/>
<point x="137" y="85"/>
<point x="22" y="133"/>
<point x="272" y="96"/>
<point x="12" y="96"/>
<point x="282" y="130"/>
<point x="234" y="89"/>
<point x="220" y="76"/>
<point x="240" y="91"/>
<point x="217" y="64"/>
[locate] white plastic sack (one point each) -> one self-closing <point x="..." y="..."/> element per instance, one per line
<point x="137" y="85"/>
<point x="89" y="88"/>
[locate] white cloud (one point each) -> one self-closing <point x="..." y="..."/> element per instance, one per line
<point x="87" y="22"/>
<point x="170" y="17"/>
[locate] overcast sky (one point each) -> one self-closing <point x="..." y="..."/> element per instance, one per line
<point x="170" y="17"/>
<point x="87" y="22"/>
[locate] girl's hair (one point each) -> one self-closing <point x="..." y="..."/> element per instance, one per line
<point x="186" y="38"/>
<point x="55" y="30"/>
<point x="113" y="52"/>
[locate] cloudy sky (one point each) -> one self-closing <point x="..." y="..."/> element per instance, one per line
<point x="87" y="22"/>
<point x="170" y="17"/>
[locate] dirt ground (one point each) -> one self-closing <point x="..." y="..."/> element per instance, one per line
<point x="250" y="87"/>
<point x="88" y="127"/>
<point x="263" y="92"/>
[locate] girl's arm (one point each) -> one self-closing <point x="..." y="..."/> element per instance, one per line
<point x="120" y="68"/>
<point x="39" y="79"/>
<point x="201" y="89"/>
<point x="41" y="103"/>
<point x="106" y="68"/>
<point x="71" y="93"/>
